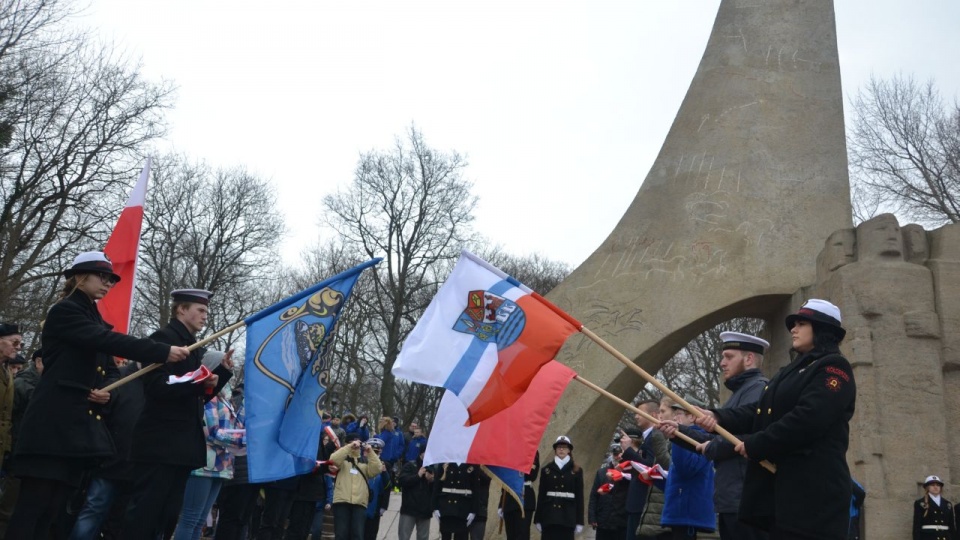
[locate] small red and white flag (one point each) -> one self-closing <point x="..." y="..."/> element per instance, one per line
<point x="122" y="249"/>
<point x="195" y="376"/>
<point x="647" y="474"/>
<point x="333" y="436"/>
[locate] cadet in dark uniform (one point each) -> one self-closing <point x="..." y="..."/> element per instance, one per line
<point x="560" y="499"/>
<point x="168" y="440"/>
<point x="933" y="516"/>
<point x="801" y="424"/>
<point x="63" y="430"/>
<point x="454" y="498"/>
<point x="517" y="522"/>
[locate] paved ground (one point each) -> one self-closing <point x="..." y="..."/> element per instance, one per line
<point x="389" y="521"/>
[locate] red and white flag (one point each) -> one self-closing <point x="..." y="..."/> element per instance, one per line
<point x="122" y="249"/>
<point x="198" y="375"/>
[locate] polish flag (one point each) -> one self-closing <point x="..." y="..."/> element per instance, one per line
<point x="508" y="439"/>
<point x="122" y="249"/>
<point x="198" y="375"/>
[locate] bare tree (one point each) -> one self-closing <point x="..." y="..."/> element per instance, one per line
<point x="411" y="206"/>
<point x="695" y="370"/>
<point x="905" y="152"/>
<point x="79" y="117"/>
<point x="215" y="229"/>
<point x="534" y="270"/>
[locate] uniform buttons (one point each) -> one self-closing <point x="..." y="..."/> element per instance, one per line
<point x="89" y="412"/>
<point x="98" y="417"/>
<point x="769" y="411"/>
<point x="758" y="410"/>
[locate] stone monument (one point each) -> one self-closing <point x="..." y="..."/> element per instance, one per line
<point x="751" y="179"/>
<point x="746" y="212"/>
<point x="898" y="290"/>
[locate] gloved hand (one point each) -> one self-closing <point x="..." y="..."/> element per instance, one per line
<point x="539" y="528"/>
<point x="470" y="517"/>
<point x="578" y="530"/>
<point x="500" y="513"/>
<point x="382" y="512"/>
<point x="436" y="514"/>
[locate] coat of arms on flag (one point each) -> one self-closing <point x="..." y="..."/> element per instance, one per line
<point x="491" y="318"/>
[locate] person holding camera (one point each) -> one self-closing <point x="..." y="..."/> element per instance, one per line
<point x="351" y="494"/>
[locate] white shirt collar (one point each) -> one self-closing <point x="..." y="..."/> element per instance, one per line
<point x="561" y="462"/>
<point x="646" y="432"/>
<point x="936" y="499"/>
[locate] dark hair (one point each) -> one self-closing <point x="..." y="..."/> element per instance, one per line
<point x="825" y="337"/>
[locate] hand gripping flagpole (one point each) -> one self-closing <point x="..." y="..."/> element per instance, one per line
<point x="151" y="367"/>
<point x="666" y="391"/>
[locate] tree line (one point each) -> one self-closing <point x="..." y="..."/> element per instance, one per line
<point x="77" y="120"/>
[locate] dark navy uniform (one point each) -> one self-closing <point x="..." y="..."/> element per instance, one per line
<point x="932" y="521"/>
<point x="168" y="440"/>
<point x="801" y="424"/>
<point x="560" y="500"/>
<point x="517" y="522"/>
<point x="454" y="496"/>
<point x="63" y="432"/>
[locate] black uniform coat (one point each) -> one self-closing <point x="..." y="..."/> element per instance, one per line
<point x="123" y="411"/>
<point x="926" y="512"/>
<point x="453" y="476"/>
<point x="529" y="495"/>
<point x="558" y="510"/>
<point x="78" y="347"/>
<point x="801" y="425"/>
<point x="170" y="429"/>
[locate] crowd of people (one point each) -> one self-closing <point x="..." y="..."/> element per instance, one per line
<point x="150" y="459"/>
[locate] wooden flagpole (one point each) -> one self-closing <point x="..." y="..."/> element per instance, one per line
<point x="626" y="405"/>
<point x="666" y="391"/>
<point x="151" y="367"/>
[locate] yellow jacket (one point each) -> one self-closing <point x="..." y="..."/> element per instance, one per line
<point x="351" y="485"/>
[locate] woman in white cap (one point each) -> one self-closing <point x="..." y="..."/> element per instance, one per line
<point x="63" y="431"/>
<point x="559" y="513"/>
<point x="933" y="516"/>
<point x="800" y="424"/>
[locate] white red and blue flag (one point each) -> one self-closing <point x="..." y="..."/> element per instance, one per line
<point x="483" y="337"/>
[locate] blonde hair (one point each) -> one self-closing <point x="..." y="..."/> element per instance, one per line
<point x="71" y="284"/>
<point x="385" y="423"/>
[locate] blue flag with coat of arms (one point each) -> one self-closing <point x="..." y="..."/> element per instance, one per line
<point x="287" y="370"/>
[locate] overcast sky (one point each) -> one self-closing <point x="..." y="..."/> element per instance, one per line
<point x="560" y="106"/>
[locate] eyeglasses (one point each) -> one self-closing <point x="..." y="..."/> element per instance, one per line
<point x="16" y="343"/>
<point x="108" y="279"/>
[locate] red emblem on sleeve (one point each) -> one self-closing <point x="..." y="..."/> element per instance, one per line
<point x="833" y="383"/>
<point x="839" y="372"/>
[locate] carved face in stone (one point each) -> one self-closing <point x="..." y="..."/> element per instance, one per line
<point x="915" y="243"/>
<point x="837" y="251"/>
<point x="879" y="238"/>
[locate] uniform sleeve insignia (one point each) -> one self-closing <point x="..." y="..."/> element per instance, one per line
<point x="838" y="372"/>
<point x="546" y="471"/>
<point x="833" y="384"/>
